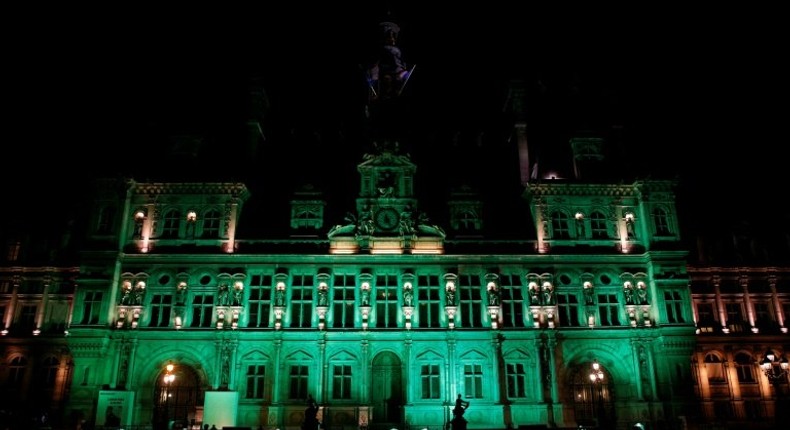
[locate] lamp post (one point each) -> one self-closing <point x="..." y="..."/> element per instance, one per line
<point x="775" y="368"/>
<point x="168" y="382"/>
<point x="596" y="376"/>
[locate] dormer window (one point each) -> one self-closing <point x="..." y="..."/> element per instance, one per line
<point x="171" y="223"/>
<point x="559" y="225"/>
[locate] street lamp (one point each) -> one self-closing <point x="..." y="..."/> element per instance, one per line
<point x="168" y="382"/>
<point x="775" y="368"/>
<point x="596" y="377"/>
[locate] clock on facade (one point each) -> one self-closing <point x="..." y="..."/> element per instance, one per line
<point x="387" y="218"/>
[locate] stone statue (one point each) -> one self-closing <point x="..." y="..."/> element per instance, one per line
<point x="408" y="297"/>
<point x="458" y="421"/>
<point x="493" y="296"/>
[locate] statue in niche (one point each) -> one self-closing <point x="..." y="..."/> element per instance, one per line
<point x="279" y="297"/>
<point x="225" y="363"/>
<point x="408" y="297"/>
<point x="323" y="296"/>
<point x="450" y="297"/>
<point x="548" y="294"/>
<point x="365" y="297"/>
<point x="534" y="294"/>
<point x="641" y="293"/>
<point x="181" y="294"/>
<point x="223" y="298"/>
<point x="386" y="184"/>
<point x="589" y="294"/>
<point x="139" y="293"/>
<point x="237" y="296"/>
<point x="628" y="292"/>
<point x="493" y="296"/>
<point x="126" y="296"/>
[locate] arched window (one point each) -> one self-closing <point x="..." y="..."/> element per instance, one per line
<point x="16" y="371"/>
<point x="49" y="372"/>
<point x="715" y="368"/>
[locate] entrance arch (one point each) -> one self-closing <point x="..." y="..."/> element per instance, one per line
<point x="593" y="400"/>
<point x="386" y="389"/>
<point x="177" y="398"/>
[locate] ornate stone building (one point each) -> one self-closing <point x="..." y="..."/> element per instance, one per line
<point x="568" y="302"/>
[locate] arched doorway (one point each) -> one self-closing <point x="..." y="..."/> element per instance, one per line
<point x="386" y="390"/>
<point x="177" y="397"/>
<point x="593" y="396"/>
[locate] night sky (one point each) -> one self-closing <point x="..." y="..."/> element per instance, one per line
<point x="91" y="92"/>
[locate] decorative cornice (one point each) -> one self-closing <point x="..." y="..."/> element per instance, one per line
<point x="235" y="189"/>
<point x="609" y="190"/>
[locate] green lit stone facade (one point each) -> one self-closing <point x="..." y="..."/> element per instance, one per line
<point x="384" y="323"/>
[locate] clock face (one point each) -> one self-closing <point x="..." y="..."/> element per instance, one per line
<point x="387" y="218"/>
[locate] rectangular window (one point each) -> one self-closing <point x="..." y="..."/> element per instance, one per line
<point x="568" y="309"/>
<point x="473" y="381"/>
<point x="753" y="409"/>
<point x="260" y="301"/>
<point x="91" y="306"/>
<point x="161" y="308"/>
<point x="343" y="296"/>
<point x="211" y="224"/>
<point x="734" y="317"/>
<point x="516" y="381"/>
<point x="511" y="293"/>
<point x="429" y="381"/>
<point x="559" y="225"/>
<point x="745" y="373"/>
<point x="256" y="378"/>
<point x="104" y="224"/>
<point x="12" y="251"/>
<point x="763" y="317"/>
<point x="608" y="309"/>
<point x="50" y="375"/>
<point x="471" y="300"/>
<point x="598" y="226"/>
<point x="5" y="287"/>
<point x="297" y="383"/>
<point x="662" y="222"/>
<point x="706" y="317"/>
<point x="386" y="301"/>
<point x="673" y="303"/>
<point x="341" y="382"/>
<point x="27" y="317"/>
<point x="722" y="409"/>
<point x="202" y="310"/>
<point x="170" y="224"/>
<point x="302" y="301"/>
<point x="428" y="301"/>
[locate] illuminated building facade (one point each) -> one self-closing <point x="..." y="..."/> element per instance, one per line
<point x="582" y="310"/>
